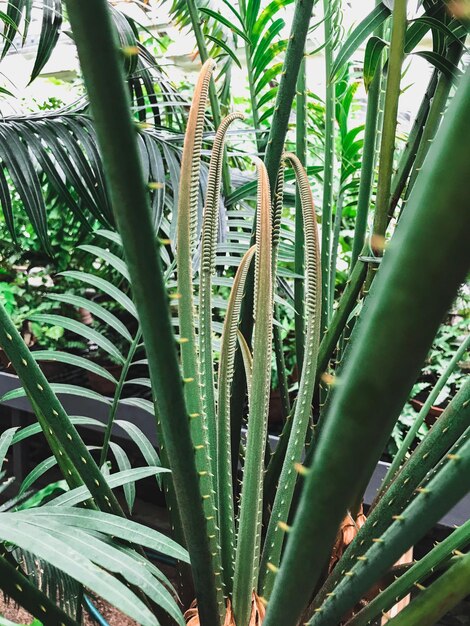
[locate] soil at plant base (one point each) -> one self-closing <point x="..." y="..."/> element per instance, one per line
<point x="114" y="617"/>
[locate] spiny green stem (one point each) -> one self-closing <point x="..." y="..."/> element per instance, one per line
<point x="277" y="335"/>
<point x="249" y="527"/>
<point x="451" y="428"/>
<point x="224" y="457"/>
<point x="186" y="231"/>
<point x="206" y="269"/>
<point x="458" y="540"/>
<point x="285" y="489"/>
<point x="329" y="159"/>
<point x="434" y="602"/>
<point x="299" y="252"/>
<point x="428" y="507"/>
<point x="274" y="149"/>
<point x="102" y="68"/>
<point x="392" y="95"/>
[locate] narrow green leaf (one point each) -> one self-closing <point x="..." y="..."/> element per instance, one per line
<point x="441" y="63"/>
<point x="114" y="261"/>
<point x="225" y="22"/>
<point x="375" y="18"/>
<point x="124" y="464"/>
<point x="80" y="329"/>
<point x="6" y="439"/>
<point x="46" y="546"/>
<point x="50" y="30"/>
<point x="226" y="48"/>
<point x="95" y="309"/>
<point x="104" y="285"/>
<point x="80" y="494"/>
<point x="372" y="56"/>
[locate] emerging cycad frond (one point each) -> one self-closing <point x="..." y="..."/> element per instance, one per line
<point x="207" y="266"/>
<point x="249" y="528"/>
<point x="312" y="242"/>
<point x="280" y="511"/>
<point x="190" y="165"/>
<point x="224" y="456"/>
<point x="209" y="229"/>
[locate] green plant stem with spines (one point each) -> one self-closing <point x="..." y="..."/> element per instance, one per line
<point x="411" y="306"/>
<point x="436" y="111"/>
<point x="434" y="602"/>
<point x="419" y="571"/>
<point x="251" y="503"/>
<point x="116" y="133"/>
<point x="299" y="253"/>
<point x="191" y="373"/>
<point x="446" y="432"/>
<point x="285" y="489"/>
<point x="408" y="155"/>
<point x="392" y="94"/>
<point x="367" y="168"/>
<point x="425" y="510"/>
<point x="328" y="167"/>
<point x="117" y="396"/>
<point x="224" y="460"/>
<point x="277" y="335"/>
<point x="206" y="270"/>
<point x="405" y="446"/>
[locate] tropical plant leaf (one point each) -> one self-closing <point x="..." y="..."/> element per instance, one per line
<point x="95" y="309"/>
<point x="80" y="329"/>
<point x="6" y="439"/>
<point x="103" y="285"/>
<point x="58" y="388"/>
<point x="375" y="18"/>
<point x="124" y="464"/>
<point x="14" y="528"/>
<point x="441" y="63"/>
<point x="227" y="23"/>
<point x="80" y="494"/>
<point x="372" y="56"/>
<point x="50" y="30"/>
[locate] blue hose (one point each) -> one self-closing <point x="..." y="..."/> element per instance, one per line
<point x="94" y="613"/>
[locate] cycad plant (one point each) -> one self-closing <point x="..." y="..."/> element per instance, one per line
<point x="260" y="550"/>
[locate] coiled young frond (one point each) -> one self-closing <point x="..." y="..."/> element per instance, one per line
<point x="312" y="241"/>
<point x="209" y="225"/>
<point x="275" y="535"/>
<point x="191" y="161"/>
